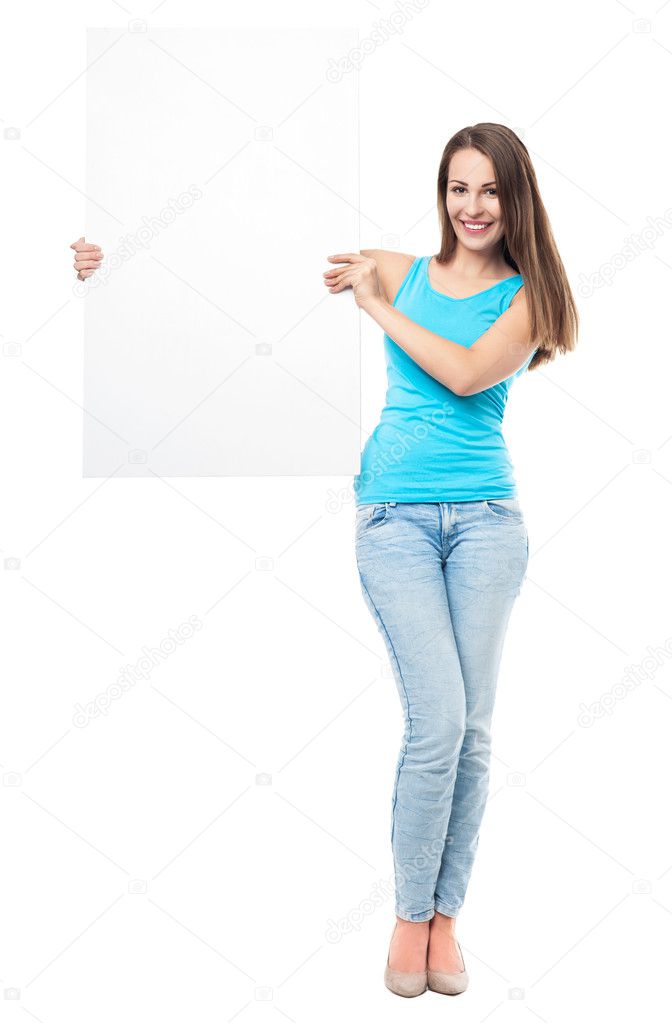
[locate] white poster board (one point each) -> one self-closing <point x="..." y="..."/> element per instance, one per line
<point x="222" y="170"/>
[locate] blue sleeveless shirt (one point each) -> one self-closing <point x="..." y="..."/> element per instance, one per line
<point x="431" y="444"/>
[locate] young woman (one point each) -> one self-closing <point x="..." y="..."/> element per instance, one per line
<point x="441" y="541"/>
<point x="440" y="536"/>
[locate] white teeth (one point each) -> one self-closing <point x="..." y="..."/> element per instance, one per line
<point x="476" y="227"/>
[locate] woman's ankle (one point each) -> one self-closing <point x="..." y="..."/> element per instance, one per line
<point x="412" y="926"/>
<point x="446" y="923"/>
<point x="408" y="948"/>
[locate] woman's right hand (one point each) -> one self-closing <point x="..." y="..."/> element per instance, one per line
<point x="87" y="258"/>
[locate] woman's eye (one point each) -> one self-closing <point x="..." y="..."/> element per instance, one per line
<point x="460" y="188"/>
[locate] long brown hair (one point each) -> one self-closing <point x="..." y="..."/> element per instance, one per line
<point x="528" y="245"/>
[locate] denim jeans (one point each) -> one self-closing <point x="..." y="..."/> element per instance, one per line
<point x="440" y="580"/>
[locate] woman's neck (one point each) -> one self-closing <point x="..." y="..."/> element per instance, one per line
<point x="476" y="266"/>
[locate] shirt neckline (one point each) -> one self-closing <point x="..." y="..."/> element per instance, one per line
<point x="466" y="298"/>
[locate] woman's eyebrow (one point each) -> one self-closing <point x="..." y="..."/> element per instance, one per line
<point x="485" y="185"/>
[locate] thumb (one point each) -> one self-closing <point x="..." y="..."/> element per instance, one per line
<point x="78" y="240"/>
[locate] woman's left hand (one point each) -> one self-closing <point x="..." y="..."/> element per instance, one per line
<point x="361" y="274"/>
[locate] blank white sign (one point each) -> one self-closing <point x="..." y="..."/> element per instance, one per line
<point x="222" y="170"/>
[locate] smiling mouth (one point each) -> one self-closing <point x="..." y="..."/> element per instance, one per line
<point x="475" y="226"/>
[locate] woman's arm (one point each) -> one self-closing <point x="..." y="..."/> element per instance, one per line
<point x="495" y="356"/>
<point x="392" y="268"/>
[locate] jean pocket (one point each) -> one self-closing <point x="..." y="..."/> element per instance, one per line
<point x="370" y="516"/>
<point x="504" y="508"/>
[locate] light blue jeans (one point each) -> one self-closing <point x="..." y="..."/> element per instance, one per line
<point x="440" y="580"/>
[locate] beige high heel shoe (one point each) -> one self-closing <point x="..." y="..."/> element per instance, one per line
<point x="402" y="982"/>
<point x="448" y="983"/>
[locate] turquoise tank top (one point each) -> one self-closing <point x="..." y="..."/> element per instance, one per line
<point x="431" y="444"/>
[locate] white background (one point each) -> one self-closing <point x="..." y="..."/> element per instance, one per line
<point x="240" y="882"/>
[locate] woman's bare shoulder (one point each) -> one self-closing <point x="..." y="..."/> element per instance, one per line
<point x="392" y="268"/>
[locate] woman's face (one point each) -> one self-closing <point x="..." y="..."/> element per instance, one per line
<point x="471" y="198"/>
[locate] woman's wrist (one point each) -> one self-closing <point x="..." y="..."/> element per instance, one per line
<point x="374" y="304"/>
